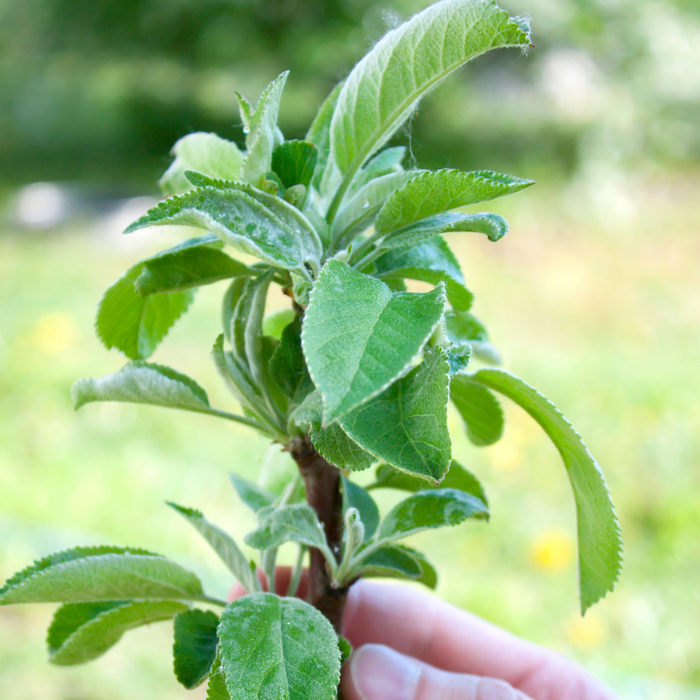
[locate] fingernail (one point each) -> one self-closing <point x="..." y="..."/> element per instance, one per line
<point x="380" y="673"/>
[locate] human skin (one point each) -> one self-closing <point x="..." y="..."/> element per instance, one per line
<point x="410" y="645"/>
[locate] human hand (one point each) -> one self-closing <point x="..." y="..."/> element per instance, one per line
<point x="410" y="645"/>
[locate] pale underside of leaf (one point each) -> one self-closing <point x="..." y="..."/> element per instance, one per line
<point x="142" y="382"/>
<point x="223" y="544"/>
<point x="107" y="577"/>
<point x="246" y="219"/>
<point x="296" y="523"/>
<point x="207" y="153"/>
<point x="600" y="547"/>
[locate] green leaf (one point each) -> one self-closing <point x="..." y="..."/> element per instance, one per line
<point x="456" y="478"/>
<point x="459" y="356"/>
<point x="246" y="218"/>
<point x="294" y="162"/>
<point x="194" y="649"/>
<point x="479" y="408"/>
<point x="262" y="132"/>
<point x="465" y="327"/>
<point x="355" y="496"/>
<point x="89" y="574"/>
<point x="134" y="324"/>
<point x="385" y="86"/>
<point x="187" y="268"/>
<point x="254" y="496"/>
<point x="320" y="134"/>
<point x="282" y="648"/>
<point x="362" y="208"/>
<point x="332" y="443"/>
<point x="436" y="192"/>
<point x="287" y="365"/>
<point x="82" y="632"/>
<point x="359" y="337"/>
<point x="223" y="544"/>
<point x="430" y="509"/>
<point x="429" y="261"/>
<point x="206" y="153"/>
<point x="143" y="382"/>
<point x="295" y="523"/>
<point x="406" y="425"/>
<point x="391" y="561"/>
<point x="275" y="323"/>
<point x="429" y="576"/>
<point x="494" y="226"/>
<point x="346" y="649"/>
<point x="388" y="161"/>
<point x="216" y="690"/>
<point x="600" y="547"/>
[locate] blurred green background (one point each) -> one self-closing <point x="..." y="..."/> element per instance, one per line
<point x="594" y="297"/>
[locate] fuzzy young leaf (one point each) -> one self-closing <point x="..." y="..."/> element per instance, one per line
<point x="467" y="328"/>
<point x="435" y="192"/>
<point x="187" y="268"/>
<point x="135" y="324"/>
<point x="355" y="496"/>
<point x="384" y="87"/>
<point x="320" y="134"/>
<point x="295" y="523"/>
<point x="600" y="548"/>
<point x="262" y="132"/>
<point x="206" y="153"/>
<point x="456" y="478"/>
<point x="242" y="216"/>
<point x="89" y="574"/>
<point x="254" y="496"/>
<point x="216" y="689"/>
<point x="406" y="425"/>
<point x="82" y="632"/>
<point x="194" y="649"/>
<point x="282" y="648"/>
<point x="429" y="261"/>
<point x="223" y="544"/>
<point x="430" y="509"/>
<point x="384" y="163"/>
<point x="294" y="162"/>
<point x="359" y="337"/>
<point x="143" y="382"/>
<point x="479" y="408"/>
<point x="287" y="365"/>
<point x="362" y="208"/>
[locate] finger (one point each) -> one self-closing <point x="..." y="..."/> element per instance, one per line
<point x="377" y="672"/>
<point x="422" y="626"/>
<point x="283" y="575"/>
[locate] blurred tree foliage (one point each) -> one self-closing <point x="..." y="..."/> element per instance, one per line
<point x="99" y="90"/>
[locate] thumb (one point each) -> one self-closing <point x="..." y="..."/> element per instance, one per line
<point x="376" y="672"/>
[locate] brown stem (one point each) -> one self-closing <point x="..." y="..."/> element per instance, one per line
<point x="322" y="482"/>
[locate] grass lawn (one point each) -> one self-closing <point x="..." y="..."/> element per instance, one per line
<point x="604" y="319"/>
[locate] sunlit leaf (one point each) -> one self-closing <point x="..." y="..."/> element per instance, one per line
<point x="281" y="648"/>
<point x="600" y="547"/>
